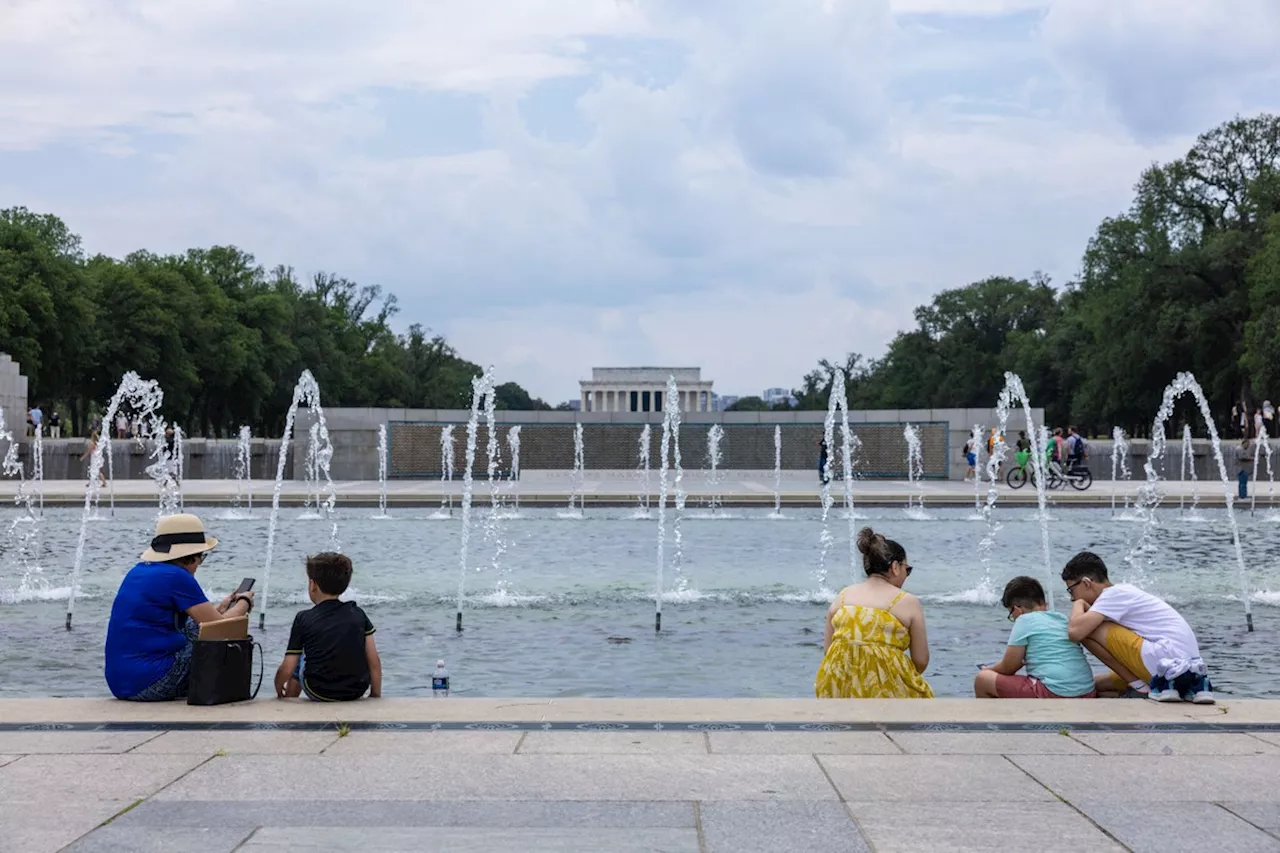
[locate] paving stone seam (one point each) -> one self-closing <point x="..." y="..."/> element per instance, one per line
<point x="1068" y="803"/>
<point x="246" y="839"/>
<point x="697" y="827"/>
<point x="330" y="744"/>
<point x="901" y="749"/>
<point x="520" y="744"/>
<point x="1252" y="736"/>
<point x="157" y="736"/>
<point x="1239" y="816"/>
<point x="1087" y="746"/>
<point x="140" y="800"/>
<point x="706" y="742"/>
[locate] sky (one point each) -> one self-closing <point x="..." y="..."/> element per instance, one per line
<point x="746" y="186"/>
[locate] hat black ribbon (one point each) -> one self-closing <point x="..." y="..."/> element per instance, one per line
<point x="165" y="541"/>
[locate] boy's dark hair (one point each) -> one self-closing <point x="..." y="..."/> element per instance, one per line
<point x="331" y="572"/>
<point x="1086" y="564"/>
<point x="1023" y="591"/>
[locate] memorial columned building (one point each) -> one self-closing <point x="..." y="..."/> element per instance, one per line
<point x="643" y="389"/>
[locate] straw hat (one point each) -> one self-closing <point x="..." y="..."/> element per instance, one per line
<point x="178" y="536"/>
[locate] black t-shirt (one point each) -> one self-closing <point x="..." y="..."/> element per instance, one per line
<point x="331" y="637"/>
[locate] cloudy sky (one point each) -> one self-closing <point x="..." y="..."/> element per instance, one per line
<point x="743" y="185"/>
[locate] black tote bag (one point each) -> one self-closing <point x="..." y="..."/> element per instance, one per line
<point x="222" y="671"/>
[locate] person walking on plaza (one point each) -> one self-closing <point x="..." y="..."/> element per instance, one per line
<point x="875" y="645"/>
<point x="55" y="425"/>
<point x="35" y="418"/>
<point x="1244" y="466"/>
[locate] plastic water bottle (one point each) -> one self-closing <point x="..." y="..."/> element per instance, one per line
<point x="440" y="680"/>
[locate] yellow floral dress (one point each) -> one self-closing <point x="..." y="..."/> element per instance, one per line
<point x="867" y="658"/>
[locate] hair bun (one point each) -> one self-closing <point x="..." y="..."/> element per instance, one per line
<point x="866" y="537"/>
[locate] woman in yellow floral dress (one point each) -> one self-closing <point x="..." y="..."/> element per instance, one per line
<point x="876" y="646"/>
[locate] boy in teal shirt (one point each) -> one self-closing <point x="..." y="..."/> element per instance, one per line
<point x="1055" y="667"/>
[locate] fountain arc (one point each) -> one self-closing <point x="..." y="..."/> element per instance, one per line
<point x="1184" y="384"/>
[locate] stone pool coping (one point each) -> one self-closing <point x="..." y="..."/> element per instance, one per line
<point x="698" y="714"/>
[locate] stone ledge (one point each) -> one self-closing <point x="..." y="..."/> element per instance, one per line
<point x="783" y="714"/>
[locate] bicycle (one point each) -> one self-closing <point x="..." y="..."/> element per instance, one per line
<point x="1022" y="471"/>
<point x="1078" y="475"/>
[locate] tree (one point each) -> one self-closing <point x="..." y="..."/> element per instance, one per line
<point x="509" y="395"/>
<point x="225" y="339"/>
<point x="748" y="404"/>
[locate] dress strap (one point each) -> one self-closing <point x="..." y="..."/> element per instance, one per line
<point x="896" y="599"/>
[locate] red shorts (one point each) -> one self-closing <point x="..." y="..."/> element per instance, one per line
<point x="1026" y="687"/>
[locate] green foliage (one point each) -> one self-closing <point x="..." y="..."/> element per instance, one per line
<point x="1187" y="279"/>
<point x="225" y="338"/>
<point x="748" y="404"/>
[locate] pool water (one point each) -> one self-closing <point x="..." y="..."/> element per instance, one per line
<point x="568" y="609"/>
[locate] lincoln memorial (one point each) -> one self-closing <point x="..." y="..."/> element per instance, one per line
<point x="641" y="389"/>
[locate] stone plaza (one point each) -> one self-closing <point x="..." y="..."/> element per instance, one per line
<point x="639" y="775"/>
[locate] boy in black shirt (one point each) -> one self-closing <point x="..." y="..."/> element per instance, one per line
<point x="331" y="655"/>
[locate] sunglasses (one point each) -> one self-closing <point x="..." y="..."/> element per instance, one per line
<point x="1071" y="587"/>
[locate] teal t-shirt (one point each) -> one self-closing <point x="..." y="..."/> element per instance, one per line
<point x="1052" y="658"/>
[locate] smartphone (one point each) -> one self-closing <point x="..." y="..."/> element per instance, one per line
<point x="245" y="586"/>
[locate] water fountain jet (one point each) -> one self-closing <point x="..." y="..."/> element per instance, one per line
<point x="481" y="389"/>
<point x="1185" y="383"/>
<point x="382" y="471"/>
<point x="144" y="397"/>
<point x="669" y="453"/>
<point x="306" y="391"/>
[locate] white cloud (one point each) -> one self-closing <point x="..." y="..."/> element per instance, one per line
<point x="1170" y="68"/>
<point x="965" y="7"/>
<point x="753" y="186"/>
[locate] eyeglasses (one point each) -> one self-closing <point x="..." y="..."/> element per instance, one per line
<point x="1012" y="616"/>
<point x="1071" y="587"/>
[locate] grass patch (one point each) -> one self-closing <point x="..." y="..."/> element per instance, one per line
<point x="124" y="811"/>
<point x="344" y="729"/>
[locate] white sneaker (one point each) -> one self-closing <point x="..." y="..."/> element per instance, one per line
<point x="1166" y="695"/>
<point x="1204" y="697"/>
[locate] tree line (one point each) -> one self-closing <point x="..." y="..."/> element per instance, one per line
<point x="225" y="338"/>
<point x="1187" y="279"/>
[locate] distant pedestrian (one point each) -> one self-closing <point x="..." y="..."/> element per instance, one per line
<point x="35" y="417"/>
<point x="55" y="425"/>
<point x="1077" y="450"/>
<point x="1257" y="423"/>
<point x="824" y="476"/>
<point x="122" y="426"/>
<point x="971" y="457"/>
<point x="88" y="455"/>
<point x="1244" y="466"/>
<point x="1269" y="417"/>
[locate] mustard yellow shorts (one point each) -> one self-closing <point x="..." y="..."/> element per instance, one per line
<point x="1127" y="648"/>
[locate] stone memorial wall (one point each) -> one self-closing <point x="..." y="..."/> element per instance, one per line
<point x="414" y="448"/>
